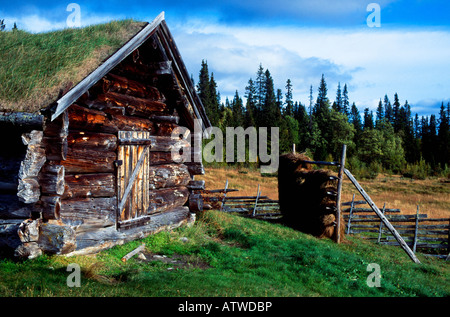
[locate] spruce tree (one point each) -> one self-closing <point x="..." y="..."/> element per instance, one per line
<point x="215" y="104"/>
<point x="237" y="109"/>
<point x="279" y="100"/>
<point x="204" y="91"/>
<point x="388" y="109"/>
<point x="338" y="104"/>
<point x="270" y="114"/>
<point x="444" y="136"/>
<point x="260" y="86"/>
<point x="396" y="113"/>
<point x="345" y="101"/>
<point x="310" y="100"/>
<point x="379" y="114"/>
<point x="250" y="106"/>
<point x="355" y="119"/>
<point x="289" y="102"/>
<point x="368" y="119"/>
<point x="417" y="133"/>
<point x="430" y="141"/>
<point x="322" y="113"/>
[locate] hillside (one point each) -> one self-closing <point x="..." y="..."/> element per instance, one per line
<point x="226" y="255"/>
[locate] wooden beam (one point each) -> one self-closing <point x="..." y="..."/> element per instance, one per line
<point x="133" y="253"/>
<point x="76" y="92"/>
<point x="338" y="198"/>
<point x="23" y="119"/>
<point x="382" y="217"/>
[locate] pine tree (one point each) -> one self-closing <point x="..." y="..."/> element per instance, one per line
<point x="237" y="109"/>
<point x="2" y="24"/>
<point x="444" y="136"/>
<point x="204" y="91"/>
<point x="310" y="100"/>
<point x="260" y="86"/>
<point x="322" y="102"/>
<point x="406" y="129"/>
<point x="388" y="110"/>
<point x="279" y="100"/>
<point x="322" y="113"/>
<point x="301" y="115"/>
<point x="338" y="104"/>
<point x="289" y="102"/>
<point x="355" y="119"/>
<point x="379" y="114"/>
<point x="215" y="104"/>
<point x="396" y="113"/>
<point x="250" y="106"/>
<point x="417" y="132"/>
<point x="345" y="101"/>
<point x="430" y="141"/>
<point x="270" y="115"/>
<point x="368" y="119"/>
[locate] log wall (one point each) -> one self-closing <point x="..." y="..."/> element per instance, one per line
<point x="79" y="179"/>
<point x="71" y="176"/>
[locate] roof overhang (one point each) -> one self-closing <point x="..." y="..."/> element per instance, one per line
<point x="157" y="26"/>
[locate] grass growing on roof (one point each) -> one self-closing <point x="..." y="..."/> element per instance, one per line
<point x="35" y="67"/>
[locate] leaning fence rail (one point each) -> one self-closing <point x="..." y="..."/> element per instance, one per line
<point x="421" y="233"/>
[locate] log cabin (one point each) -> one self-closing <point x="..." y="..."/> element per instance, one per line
<point x="96" y="167"/>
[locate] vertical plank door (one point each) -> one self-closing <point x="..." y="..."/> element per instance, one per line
<point x="132" y="181"/>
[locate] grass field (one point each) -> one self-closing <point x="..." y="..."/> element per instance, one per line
<point x="224" y="255"/>
<point x="230" y="256"/>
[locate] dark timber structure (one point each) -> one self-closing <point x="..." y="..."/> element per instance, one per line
<point x="98" y="167"/>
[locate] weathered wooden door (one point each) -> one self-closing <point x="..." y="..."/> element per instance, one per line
<point x="132" y="178"/>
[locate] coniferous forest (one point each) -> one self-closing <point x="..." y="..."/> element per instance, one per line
<point x="391" y="140"/>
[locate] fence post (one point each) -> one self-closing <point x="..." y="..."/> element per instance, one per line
<point x="350" y="215"/>
<point x="224" y="195"/>
<point x="339" y="190"/>
<point x="256" y="202"/>
<point x="448" y="242"/>
<point x="381" y="224"/>
<point x="416" y="230"/>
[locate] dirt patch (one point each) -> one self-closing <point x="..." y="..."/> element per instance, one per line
<point x="176" y="261"/>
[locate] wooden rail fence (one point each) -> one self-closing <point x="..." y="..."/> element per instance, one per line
<point x="259" y="206"/>
<point x="429" y="236"/>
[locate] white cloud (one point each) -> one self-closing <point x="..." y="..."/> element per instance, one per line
<point x="373" y="62"/>
<point x="36" y="23"/>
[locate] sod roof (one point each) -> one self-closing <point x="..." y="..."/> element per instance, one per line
<point x="35" y="68"/>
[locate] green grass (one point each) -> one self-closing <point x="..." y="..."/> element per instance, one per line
<point x="239" y="257"/>
<point x="34" y="67"/>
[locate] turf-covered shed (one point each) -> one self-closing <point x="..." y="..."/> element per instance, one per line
<point x="104" y="157"/>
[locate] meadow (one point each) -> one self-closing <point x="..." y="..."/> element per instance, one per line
<point x="225" y="255"/>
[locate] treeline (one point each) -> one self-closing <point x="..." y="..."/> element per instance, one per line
<point x="391" y="140"/>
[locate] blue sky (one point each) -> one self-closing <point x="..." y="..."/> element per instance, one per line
<point x="408" y="54"/>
